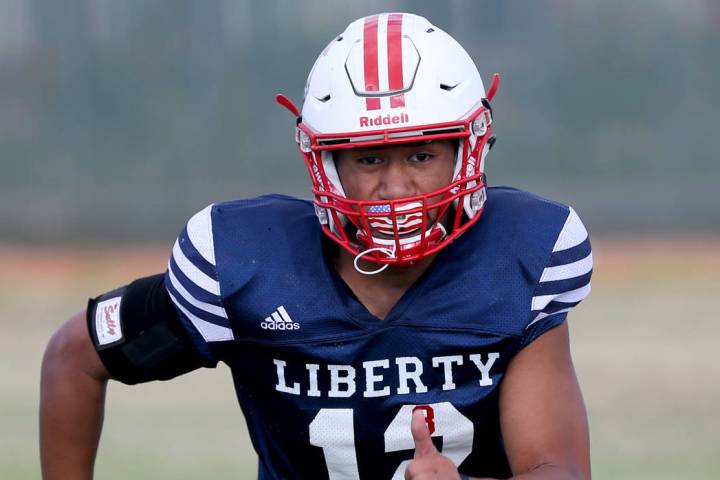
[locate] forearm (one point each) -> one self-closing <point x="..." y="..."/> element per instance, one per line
<point x="71" y="413"/>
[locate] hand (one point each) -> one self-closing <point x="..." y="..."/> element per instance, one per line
<point x="428" y="463"/>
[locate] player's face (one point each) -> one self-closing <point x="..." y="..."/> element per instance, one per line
<point x="392" y="172"/>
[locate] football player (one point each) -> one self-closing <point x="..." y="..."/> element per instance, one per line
<point x="408" y="322"/>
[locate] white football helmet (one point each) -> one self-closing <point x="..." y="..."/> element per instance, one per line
<point x="388" y="79"/>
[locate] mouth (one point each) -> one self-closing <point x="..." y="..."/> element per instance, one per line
<point x="404" y="224"/>
<point x="399" y="227"/>
<point x="407" y="227"/>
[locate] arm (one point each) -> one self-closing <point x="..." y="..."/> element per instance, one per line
<point x="155" y="342"/>
<point x="143" y="340"/>
<point x="72" y="398"/>
<point x="542" y="413"/>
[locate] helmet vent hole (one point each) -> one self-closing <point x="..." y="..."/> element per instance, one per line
<point x="430" y="30"/>
<point x="447" y="88"/>
<point x="324" y="99"/>
<point x="339" y="39"/>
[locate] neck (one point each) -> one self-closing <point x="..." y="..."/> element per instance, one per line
<point x="379" y="292"/>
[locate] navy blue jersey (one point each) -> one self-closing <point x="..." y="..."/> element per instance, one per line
<point x="328" y="389"/>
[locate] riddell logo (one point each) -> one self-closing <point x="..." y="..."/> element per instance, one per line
<point x="381" y="120"/>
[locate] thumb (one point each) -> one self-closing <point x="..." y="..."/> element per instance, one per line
<point x="421" y="435"/>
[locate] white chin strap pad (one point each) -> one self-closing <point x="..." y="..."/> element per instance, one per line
<point x="328" y="163"/>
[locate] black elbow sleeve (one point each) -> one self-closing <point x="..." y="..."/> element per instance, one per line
<point x="138" y="335"/>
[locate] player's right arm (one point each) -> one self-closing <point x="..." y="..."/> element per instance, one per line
<point x="133" y="334"/>
<point x="155" y="328"/>
<point x="72" y="397"/>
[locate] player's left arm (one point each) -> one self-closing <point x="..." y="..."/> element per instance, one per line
<point x="542" y="413"/>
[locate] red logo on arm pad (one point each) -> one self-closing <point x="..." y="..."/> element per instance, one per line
<point x="108" y="327"/>
<point x="109" y="322"/>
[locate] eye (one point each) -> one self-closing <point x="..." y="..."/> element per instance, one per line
<point x="421" y="157"/>
<point x="369" y="160"/>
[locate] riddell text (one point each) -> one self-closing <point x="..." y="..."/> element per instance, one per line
<point x="381" y="120"/>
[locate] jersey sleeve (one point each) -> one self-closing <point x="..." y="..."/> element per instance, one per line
<point x="565" y="280"/>
<point x="194" y="286"/>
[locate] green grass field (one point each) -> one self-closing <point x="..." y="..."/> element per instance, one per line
<point x="643" y="347"/>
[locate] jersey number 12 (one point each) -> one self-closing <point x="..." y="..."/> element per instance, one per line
<point x="332" y="430"/>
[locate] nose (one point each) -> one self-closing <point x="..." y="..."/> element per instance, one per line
<point x="396" y="181"/>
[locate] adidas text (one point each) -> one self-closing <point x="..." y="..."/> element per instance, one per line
<point x="279" y="320"/>
<point x="279" y="326"/>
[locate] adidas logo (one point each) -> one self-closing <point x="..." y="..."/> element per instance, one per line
<point x="279" y="320"/>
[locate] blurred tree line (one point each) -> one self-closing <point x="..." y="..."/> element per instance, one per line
<point x="118" y="120"/>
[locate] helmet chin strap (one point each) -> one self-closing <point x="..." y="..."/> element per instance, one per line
<point x="387" y="251"/>
<point x="390" y="249"/>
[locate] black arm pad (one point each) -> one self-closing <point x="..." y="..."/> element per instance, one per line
<point x="138" y="335"/>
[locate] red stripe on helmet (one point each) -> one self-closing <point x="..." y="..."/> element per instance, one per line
<point x="395" y="64"/>
<point x="370" y="51"/>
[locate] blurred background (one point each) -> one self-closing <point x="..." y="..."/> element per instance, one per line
<point x="119" y="120"/>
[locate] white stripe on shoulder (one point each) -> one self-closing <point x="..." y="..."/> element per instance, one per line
<point x="569" y="270"/>
<point x="573" y="233"/>
<point x="199" y="229"/>
<point x="542" y="315"/>
<point x="209" y="331"/>
<point x="541" y="301"/>
<point x="214" y="309"/>
<point x="197" y="276"/>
